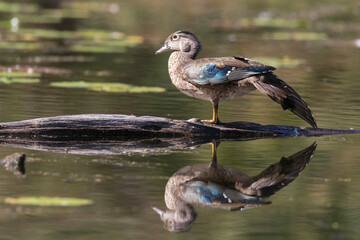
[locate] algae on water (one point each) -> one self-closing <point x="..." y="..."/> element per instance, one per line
<point x="107" y="87"/>
<point x="48" y="201"/>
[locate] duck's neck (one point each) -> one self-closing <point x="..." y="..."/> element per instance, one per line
<point x="178" y="58"/>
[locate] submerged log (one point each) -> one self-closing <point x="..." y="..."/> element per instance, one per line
<point x="109" y="134"/>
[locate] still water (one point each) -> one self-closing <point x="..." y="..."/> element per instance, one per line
<point x="315" y="49"/>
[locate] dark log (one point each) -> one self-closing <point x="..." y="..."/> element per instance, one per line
<point x="89" y="127"/>
<point x="113" y="134"/>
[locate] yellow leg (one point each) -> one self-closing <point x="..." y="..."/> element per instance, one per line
<point x="214" y="145"/>
<point x="215" y="120"/>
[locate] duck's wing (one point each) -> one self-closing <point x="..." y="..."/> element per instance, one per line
<point x="203" y="193"/>
<point x="200" y="193"/>
<point x="212" y="71"/>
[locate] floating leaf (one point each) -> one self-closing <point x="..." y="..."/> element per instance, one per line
<point x="48" y="201"/>
<point x="88" y="40"/>
<point x="40" y="18"/>
<point x="90" y="34"/>
<point x="19" y="74"/>
<point x="20" y="45"/>
<point x="10" y="80"/>
<point x="49" y="33"/>
<point x="8" y="76"/>
<point x="107" y="87"/>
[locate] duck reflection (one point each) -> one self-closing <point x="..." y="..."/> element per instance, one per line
<point x="217" y="186"/>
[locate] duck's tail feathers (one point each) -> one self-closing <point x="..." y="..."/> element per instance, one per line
<point x="280" y="174"/>
<point x="283" y="94"/>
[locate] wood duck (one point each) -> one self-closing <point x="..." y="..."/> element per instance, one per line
<point x="218" y="79"/>
<point x="216" y="186"/>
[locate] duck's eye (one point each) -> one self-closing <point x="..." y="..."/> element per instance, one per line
<point x="175" y="37"/>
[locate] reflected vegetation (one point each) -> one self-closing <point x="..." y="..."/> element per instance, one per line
<point x="216" y="186"/>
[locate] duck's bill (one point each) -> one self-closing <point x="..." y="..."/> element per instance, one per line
<point x="159" y="211"/>
<point x="164" y="48"/>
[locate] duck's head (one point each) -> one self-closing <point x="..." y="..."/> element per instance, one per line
<point x="182" y="41"/>
<point x="177" y="220"/>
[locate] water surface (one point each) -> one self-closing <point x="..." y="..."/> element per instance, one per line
<point x="314" y="47"/>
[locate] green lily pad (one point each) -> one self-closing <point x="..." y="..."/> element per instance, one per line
<point x="88" y="40"/>
<point x="90" y="34"/>
<point x="10" y="80"/>
<point x="30" y="46"/>
<point x="8" y="76"/>
<point x="42" y="18"/>
<point x="107" y="87"/>
<point x="19" y="74"/>
<point x="49" y="33"/>
<point x="48" y="201"/>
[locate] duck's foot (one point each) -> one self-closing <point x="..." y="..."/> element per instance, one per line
<point x="212" y="121"/>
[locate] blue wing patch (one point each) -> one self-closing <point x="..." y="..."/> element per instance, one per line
<point x="205" y="193"/>
<point x="209" y="74"/>
<point x="215" y="75"/>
